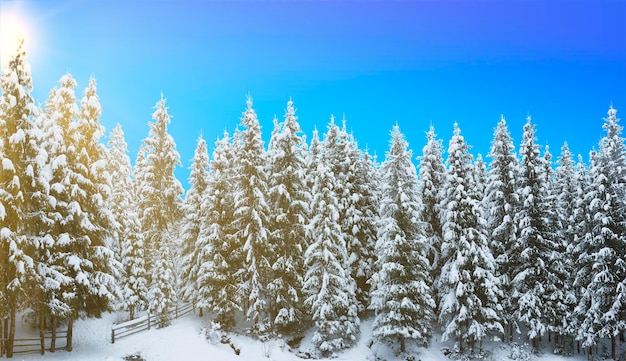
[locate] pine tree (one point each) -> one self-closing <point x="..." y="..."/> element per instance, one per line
<point x="252" y="218"/>
<point x="470" y="294"/>
<point x="20" y="189"/>
<point x="432" y="174"/>
<point x="193" y="218"/>
<point x="328" y="286"/>
<point x="219" y="257"/>
<point x="160" y="207"/>
<point x="501" y="201"/>
<point x="531" y="278"/>
<point x="567" y="185"/>
<point x="289" y="204"/>
<point x="602" y="252"/>
<point x="129" y="242"/>
<point x="401" y="296"/>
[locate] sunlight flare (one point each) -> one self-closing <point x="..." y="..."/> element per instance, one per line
<point x="12" y="29"/>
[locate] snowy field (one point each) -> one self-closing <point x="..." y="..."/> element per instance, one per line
<point x="183" y="340"/>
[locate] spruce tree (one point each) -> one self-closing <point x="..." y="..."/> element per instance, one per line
<point x="192" y="219"/>
<point x="160" y="209"/>
<point x="469" y="291"/>
<point x="531" y="279"/>
<point x="252" y="218"/>
<point x="289" y="206"/>
<point x="501" y="200"/>
<point x="328" y="285"/>
<point x="401" y="296"/>
<point x="602" y="251"/>
<point x="21" y="189"/>
<point x="219" y="257"/>
<point x="129" y="240"/>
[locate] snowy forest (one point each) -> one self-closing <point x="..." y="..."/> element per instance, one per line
<point x="307" y="234"/>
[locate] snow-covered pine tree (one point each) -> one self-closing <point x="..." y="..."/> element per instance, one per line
<point x="567" y="186"/>
<point x="432" y="174"/>
<point x="469" y="291"/>
<point x="340" y="153"/>
<point x="192" y="220"/>
<point x="401" y="295"/>
<point x="328" y="285"/>
<point x="289" y="207"/>
<point x="219" y="257"/>
<point x="22" y="190"/>
<point x="123" y="203"/>
<point x="601" y="304"/>
<point x="500" y="202"/>
<point x="160" y="209"/>
<point x="252" y="218"/>
<point x="531" y="278"/>
<point x="361" y="206"/>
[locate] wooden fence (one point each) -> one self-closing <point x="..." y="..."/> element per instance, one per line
<point x="36" y="344"/>
<point x="144" y="323"/>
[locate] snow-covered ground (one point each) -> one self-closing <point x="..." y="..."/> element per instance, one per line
<point x="183" y="341"/>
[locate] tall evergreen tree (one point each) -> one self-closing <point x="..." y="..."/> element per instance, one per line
<point x="160" y="207"/>
<point x="501" y="200"/>
<point x="432" y="173"/>
<point x="567" y="185"/>
<point x="470" y="294"/>
<point x="129" y="240"/>
<point x="193" y="218"/>
<point x="252" y="218"/>
<point x="401" y="296"/>
<point x="289" y="206"/>
<point x="20" y="188"/>
<point x="531" y="278"/>
<point x="602" y="252"/>
<point x="219" y="257"/>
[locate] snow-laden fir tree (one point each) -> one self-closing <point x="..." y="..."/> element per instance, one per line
<point x="20" y="189"/>
<point x="567" y="186"/>
<point x="123" y="203"/>
<point x="558" y="274"/>
<point x="192" y="220"/>
<point x="469" y="292"/>
<point x="341" y="154"/>
<point x="361" y="206"/>
<point x="500" y="202"/>
<point x="532" y="280"/>
<point x="160" y="206"/>
<point x="431" y="179"/>
<point x="81" y="218"/>
<point x="219" y="257"/>
<point x="289" y="206"/>
<point x="401" y="296"/>
<point x="601" y="304"/>
<point x="252" y="218"/>
<point x="328" y="285"/>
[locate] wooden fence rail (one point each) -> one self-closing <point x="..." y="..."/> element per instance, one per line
<point x="144" y="323"/>
<point x="38" y="344"/>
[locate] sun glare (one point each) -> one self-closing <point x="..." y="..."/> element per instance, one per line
<point x="12" y="28"/>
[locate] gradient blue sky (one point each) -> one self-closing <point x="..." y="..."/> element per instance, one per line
<point x="377" y="62"/>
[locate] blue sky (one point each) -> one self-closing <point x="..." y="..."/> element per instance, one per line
<point x="376" y="62"/>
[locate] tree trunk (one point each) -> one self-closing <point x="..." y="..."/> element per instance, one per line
<point x="200" y="314"/>
<point x="42" y="329"/>
<point x="613" y="341"/>
<point x="131" y="311"/>
<point x="53" y="338"/>
<point x="11" y="339"/>
<point x="68" y="337"/>
<point x="402" y="344"/>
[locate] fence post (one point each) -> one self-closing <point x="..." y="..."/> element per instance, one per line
<point x="176" y="310"/>
<point x="112" y="335"/>
<point x="148" y="320"/>
<point x="42" y="339"/>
